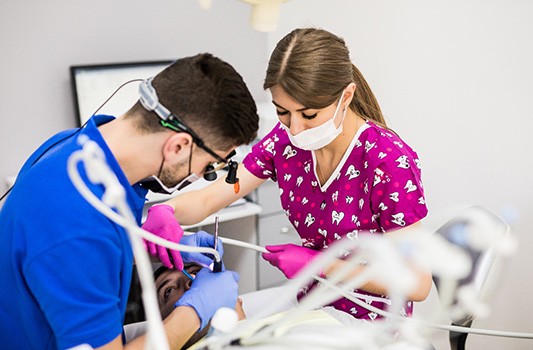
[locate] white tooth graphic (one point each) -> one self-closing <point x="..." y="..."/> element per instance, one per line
<point x="410" y="187"/>
<point x="309" y="220"/>
<point x="336" y="217"/>
<point x="289" y="152"/>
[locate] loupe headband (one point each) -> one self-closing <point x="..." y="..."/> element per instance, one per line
<point x="150" y="101"/>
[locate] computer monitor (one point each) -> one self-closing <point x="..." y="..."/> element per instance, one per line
<point x="94" y="84"/>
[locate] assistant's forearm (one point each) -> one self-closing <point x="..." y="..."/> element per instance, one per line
<point x="420" y="292"/>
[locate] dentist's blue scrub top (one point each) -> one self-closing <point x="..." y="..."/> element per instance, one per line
<point x="65" y="269"/>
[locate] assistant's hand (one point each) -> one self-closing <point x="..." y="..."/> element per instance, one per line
<point x="289" y="258"/>
<point x="162" y="222"/>
<point x="209" y="292"/>
<point x="200" y="239"/>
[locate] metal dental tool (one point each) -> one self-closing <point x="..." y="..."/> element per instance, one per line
<point x="217" y="265"/>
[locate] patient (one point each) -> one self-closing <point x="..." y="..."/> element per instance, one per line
<point x="170" y="285"/>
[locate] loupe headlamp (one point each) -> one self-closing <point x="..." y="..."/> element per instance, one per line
<point x="150" y="101"/>
<point x="210" y="173"/>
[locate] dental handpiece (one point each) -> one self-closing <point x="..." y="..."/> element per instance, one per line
<point x="217" y="265"/>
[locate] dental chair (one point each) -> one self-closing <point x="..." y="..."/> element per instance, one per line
<point x="480" y="234"/>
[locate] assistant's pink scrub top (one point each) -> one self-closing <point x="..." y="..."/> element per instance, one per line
<point x="376" y="188"/>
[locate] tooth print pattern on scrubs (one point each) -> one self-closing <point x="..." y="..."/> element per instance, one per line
<point x="375" y="188"/>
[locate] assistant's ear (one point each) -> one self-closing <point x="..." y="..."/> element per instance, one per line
<point x="177" y="147"/>
<point x="349" y="93"/>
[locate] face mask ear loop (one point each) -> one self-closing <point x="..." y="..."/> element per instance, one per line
<point x="161" y="167"/>
<point x="190" y="159"/>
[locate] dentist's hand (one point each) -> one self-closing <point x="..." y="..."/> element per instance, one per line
<point x="209" y="292"/>
<point x="201" y="239"/>
<point x="162" y="222"/>
<point x="289" y="258"/>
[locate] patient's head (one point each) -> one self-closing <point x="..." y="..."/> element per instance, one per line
<point x="171" y="284"/>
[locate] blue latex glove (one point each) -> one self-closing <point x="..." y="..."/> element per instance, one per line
<point x="200" y="239"/>
<point x="209" y="292"/>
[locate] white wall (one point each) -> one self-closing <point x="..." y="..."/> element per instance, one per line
<point x="39" y="40"/>
<point x="455" y="80"/>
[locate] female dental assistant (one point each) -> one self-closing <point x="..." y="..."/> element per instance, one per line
<point x="340" y="170"/>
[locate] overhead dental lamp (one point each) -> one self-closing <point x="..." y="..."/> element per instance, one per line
<point x="264" y="16"/>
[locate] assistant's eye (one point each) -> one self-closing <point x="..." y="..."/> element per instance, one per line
<point x="281" y="112"/>
<point x="309" y="116"/>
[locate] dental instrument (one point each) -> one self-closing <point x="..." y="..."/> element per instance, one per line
<point x="217" y="264"/>
<point x="189" y="276"/>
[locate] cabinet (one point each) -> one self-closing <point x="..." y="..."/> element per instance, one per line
<point x="273" y="228"/>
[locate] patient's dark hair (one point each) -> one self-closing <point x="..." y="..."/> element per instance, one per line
<point x="209" y="96"/>
<point x="159" y="271"/>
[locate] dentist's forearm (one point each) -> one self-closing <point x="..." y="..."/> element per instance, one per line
<point x="191" y="207"/>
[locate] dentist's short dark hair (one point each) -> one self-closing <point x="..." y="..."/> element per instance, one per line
<point x="209" y="96"/>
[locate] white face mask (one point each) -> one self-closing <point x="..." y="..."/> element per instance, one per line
<point x="319" y="136"/>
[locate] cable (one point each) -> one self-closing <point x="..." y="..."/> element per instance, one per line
<point x="265" y="334"/>
<point x="102" y="207"/>
<point x="113" y="94"/>
<point x="39" y="157"/>
<point x="292" y="286"/>
<point x="459" y="329"/>
<point x="242" y="244"/>
<point x="321" y="295"/>
<point x="113" y="196"/>
<point x="98" y="172"/>
<point x="74" y="133"/>
<point x="6" y="193"/>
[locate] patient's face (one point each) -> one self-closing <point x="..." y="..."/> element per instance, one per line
<point x="171" y="285"/>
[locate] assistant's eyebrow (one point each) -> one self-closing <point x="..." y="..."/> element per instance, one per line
<point x="298" y="110"/>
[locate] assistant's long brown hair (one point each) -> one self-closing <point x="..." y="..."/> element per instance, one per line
<point x="313" y="66"/>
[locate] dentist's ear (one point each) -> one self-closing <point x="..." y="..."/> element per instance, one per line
<point x="177" y="147"/>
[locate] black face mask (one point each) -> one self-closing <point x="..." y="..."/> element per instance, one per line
<point x="154" y="184"/>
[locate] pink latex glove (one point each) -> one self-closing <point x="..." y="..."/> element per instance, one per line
<point x="162" y="222"/>
<point x="289" y="258"/>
